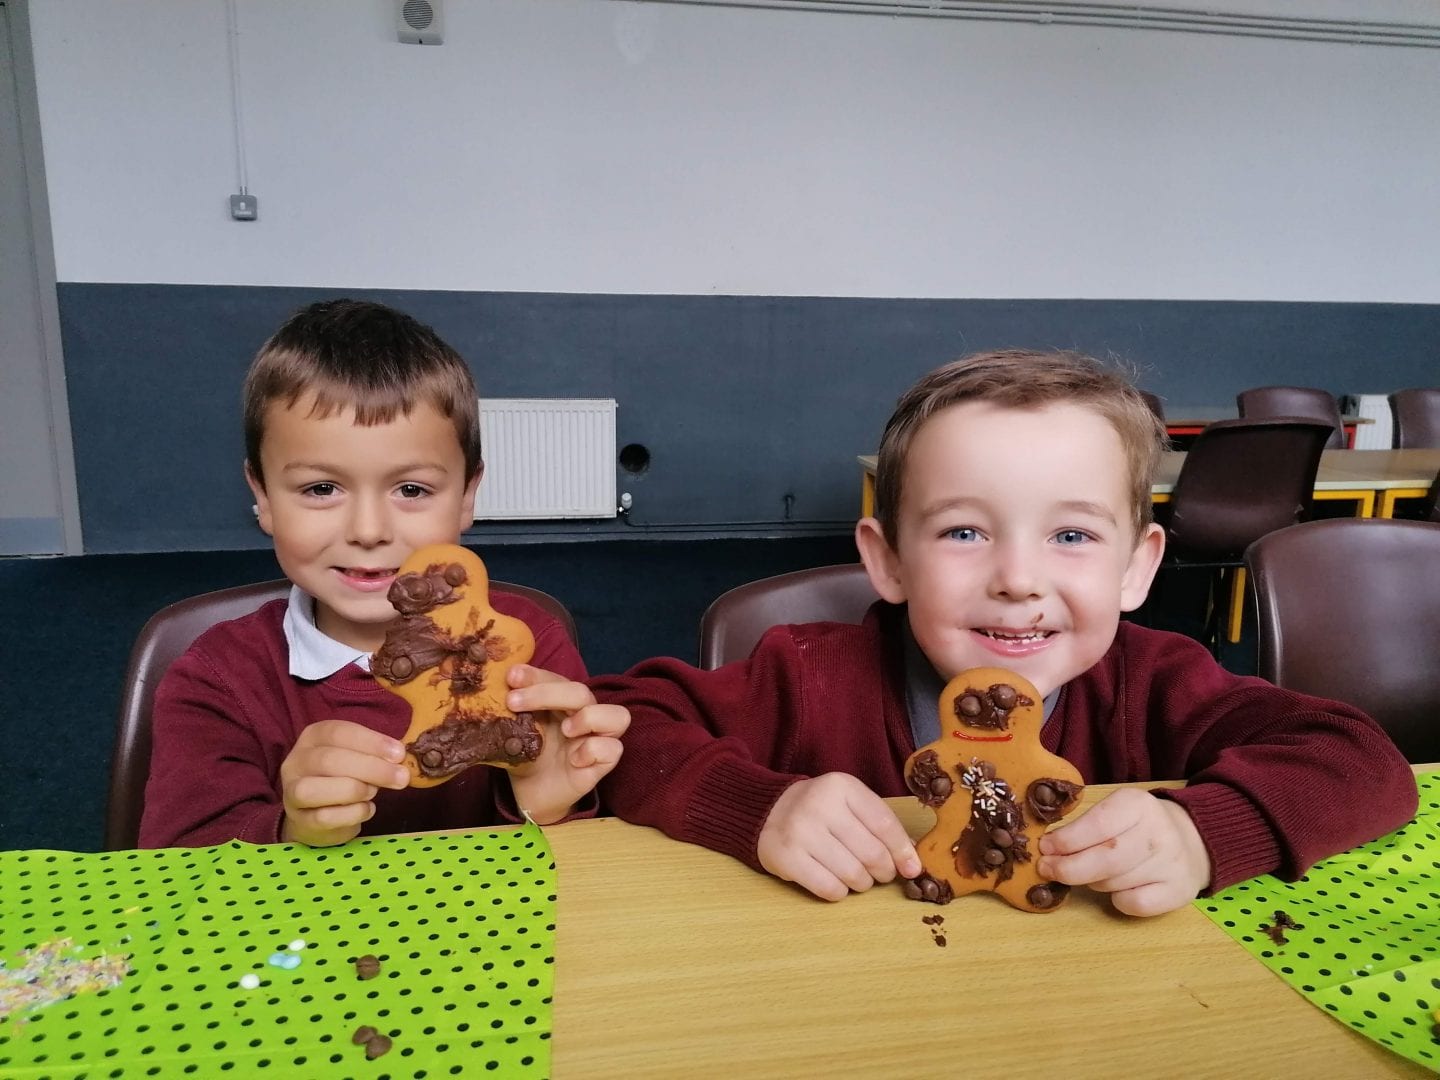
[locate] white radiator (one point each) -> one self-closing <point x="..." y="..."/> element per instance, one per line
<point x="547" y="458"/>
<point x="1374" y="407"/>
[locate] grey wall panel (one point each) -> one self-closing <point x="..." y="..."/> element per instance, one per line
<point x="753" y="408"/>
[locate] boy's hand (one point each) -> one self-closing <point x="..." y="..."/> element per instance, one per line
<point x="1145" y="851"/>
<point x="582" y="741"/>
<point x="330" y="777"/>
<point x="831" y="834"/>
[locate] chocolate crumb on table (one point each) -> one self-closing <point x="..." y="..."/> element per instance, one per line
<point x="1283" y="922"/>
<point x="935" y="922"/>
<point x="367" y="966"/>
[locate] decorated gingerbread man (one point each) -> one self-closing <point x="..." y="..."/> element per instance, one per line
<point x="448" y="655"/>
<point x="994" y="790"/>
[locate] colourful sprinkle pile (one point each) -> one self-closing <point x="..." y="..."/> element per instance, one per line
<point x="46" y="976"/>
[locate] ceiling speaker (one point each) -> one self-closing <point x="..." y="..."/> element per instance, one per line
<point x="420" y="22"/>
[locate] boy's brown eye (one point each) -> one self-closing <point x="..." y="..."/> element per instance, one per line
<point x="411" y="491"/>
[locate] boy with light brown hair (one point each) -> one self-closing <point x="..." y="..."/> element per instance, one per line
<point x="1012" y="529"/>
<point x="362" y="444"/>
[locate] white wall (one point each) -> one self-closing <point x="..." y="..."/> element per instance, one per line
<point x="599" y="146"/>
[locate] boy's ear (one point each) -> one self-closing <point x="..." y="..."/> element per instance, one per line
<point x="262" y="501"/>
<point x="1140" y="572"/>
<point x="467" y="501"/>
<point x="881" y="562"/>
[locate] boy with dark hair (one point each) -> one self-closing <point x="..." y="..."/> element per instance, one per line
<point x="1012" y="528"/>
<point x="362" y="445"/>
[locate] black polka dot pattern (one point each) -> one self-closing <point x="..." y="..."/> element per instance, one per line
<point x="463" y="927"/>
<point x="1366" y="947"/>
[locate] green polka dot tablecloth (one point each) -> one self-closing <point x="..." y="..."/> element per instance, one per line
<point x="1359" y="935"/>
<point x="462" y="927"/>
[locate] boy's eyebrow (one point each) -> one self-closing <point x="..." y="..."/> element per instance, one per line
<point x="1086" y="506"/>
<point x="327" y="466"/>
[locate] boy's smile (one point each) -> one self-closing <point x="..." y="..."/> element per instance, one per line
<point x="348" y="504"/>
<point x="1015" y="543"/>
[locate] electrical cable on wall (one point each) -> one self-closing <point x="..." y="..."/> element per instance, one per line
<point x="1119" y="16"/>
<point x="243" y="206"/>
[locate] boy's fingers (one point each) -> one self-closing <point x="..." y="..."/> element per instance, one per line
<point x="555" y="695"/>
<point x="836" y="861"/>
<point x="1104" y="821"/>
<point x="313" y="792"/>
<point x="351" y="736"/>
<point x="1112" y="857"/>
<point x="588" y="753"/>
<point x="611" y="721"/>
<point x="347" y="764"/>
<point x="1154" y="898"/>
<point x="342" y="817"/>
<point x="867" y="848"/>
<point x="882" y="823"/>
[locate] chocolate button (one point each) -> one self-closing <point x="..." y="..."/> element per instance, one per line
<point x="1001" y="838"/>
<point x="455" y="574"/>
<point x="367" y="967"/>
<point x="911" y="890"/>
<point x="477" y="652"/>
<point x="377" y="1047"/>
<point x="940" y="787"/>
<point x="432" y="759"/>
<point x="363" y="1034"/>
<point x="402" y="667"/>
<point x="929" y="889"/>
<point x="970" y="705"/>
<point x="1045" y="795"/>
<point x="513" y="746"/>
<point x="1003" y="696"/>
<point x="1040" y="896"/>
<point x="994" y="856"/>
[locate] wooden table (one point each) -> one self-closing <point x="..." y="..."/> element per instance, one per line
<point x="1372" y="479"/>
<point x="673" y="961"/>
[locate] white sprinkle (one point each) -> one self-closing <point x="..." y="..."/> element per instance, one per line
<point x="249" y="981"/>
<point x="297" y="944"/>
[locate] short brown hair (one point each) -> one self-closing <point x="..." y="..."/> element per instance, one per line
<point x="1022" y="379"/>
<point x="366" y="355"/>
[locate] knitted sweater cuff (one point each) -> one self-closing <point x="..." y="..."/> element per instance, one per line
<point x="1238" y="838"/>
<point x="730" y="805"/>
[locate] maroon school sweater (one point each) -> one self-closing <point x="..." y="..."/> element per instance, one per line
<point x="228" y="712"/>
<point x="1277" y="780"/>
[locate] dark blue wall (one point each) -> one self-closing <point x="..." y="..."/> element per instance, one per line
<point x="741" y="401"/>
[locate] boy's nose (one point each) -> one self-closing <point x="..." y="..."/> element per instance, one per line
<point x="1016" y="575"/>
<point x="369" y="524"/>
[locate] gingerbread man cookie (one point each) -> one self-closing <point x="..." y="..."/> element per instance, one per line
<point x="994" y="790"/>
<point x="448" y="656"/>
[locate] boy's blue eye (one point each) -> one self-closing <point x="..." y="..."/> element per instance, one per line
<point x="965" y="534"/>
<point x="1071" y="536"/>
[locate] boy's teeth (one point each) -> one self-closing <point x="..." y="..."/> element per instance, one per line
<point x="1033" y="635"/>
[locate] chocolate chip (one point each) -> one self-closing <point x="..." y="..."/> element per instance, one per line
<point x="970" y="705"/>
<point x="1001" y="838"/>
<point x="455" y="574"/>
<point x="940" y="787"/>
<point x="1003" y="696"/>
<point x="994" y="856"/>
<point x="377" y="1047"/>
<point x="1048" y="896"/>
<point x="363" y="1034"/>
<point x="367" y="967"/>
<point x="401" y="667"/>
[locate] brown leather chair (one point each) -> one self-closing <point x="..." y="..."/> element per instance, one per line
<point x="1241" y="479"/>
<point x="169" y="633"/>
<point x="1417" y="418"/>
<point x="1430" y="510"/>
<point x="1350" y="610"/>
<point x="734" y="623"/>
<point x="1308" y="401"/>
<point x="1156" y="405"/>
